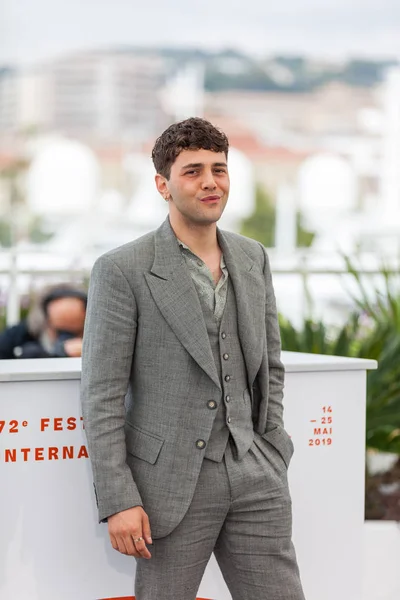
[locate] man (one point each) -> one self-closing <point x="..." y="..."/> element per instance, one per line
<point x="53" y="328"/>
<point x="182" y="391"/>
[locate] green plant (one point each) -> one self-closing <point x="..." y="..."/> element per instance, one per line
<point x="260" y="225"/>
<point x="382" y="343"/>
<point x="305" y="238"/>
<point x="317" y="338"/>
<point x="373" y="331"/>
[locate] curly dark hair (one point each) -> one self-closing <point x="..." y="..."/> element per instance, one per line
<point x="191" y="134"/>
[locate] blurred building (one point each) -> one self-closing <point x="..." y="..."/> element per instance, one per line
<point x="274" y="163"/>
<point x="117" y="101"/>
<point x="278" y="115"/>
<point x="286" y="127"/>
<point x="93" y="95"/>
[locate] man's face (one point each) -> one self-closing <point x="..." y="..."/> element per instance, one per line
<point x="66" y="314"/>
<point x="198" y="186"/>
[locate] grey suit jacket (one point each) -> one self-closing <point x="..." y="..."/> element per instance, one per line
<point x="148" y="371"/>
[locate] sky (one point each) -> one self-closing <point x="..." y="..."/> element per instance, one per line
<point x="34" y="30"/>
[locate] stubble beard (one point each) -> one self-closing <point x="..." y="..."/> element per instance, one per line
<point x="202" y="218"/>
<point x="196" y="214"/>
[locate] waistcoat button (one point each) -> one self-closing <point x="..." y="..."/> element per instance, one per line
<point x="225" y="356"/>
<point x="227" y="377"/>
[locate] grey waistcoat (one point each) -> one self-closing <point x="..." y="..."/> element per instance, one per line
<point x="233" y="412"/>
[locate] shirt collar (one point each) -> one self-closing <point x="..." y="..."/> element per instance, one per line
<point x="183" y="246"/>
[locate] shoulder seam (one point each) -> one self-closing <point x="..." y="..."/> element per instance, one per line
<point x="122" y="273"/>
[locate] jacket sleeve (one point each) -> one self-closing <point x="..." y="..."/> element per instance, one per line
<point x="108" y="345"/>
<point x="276" y="369"/>
<point x="13" y="339"/>
<point x="8" y="340"/>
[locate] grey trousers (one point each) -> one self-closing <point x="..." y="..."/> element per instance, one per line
<point x="241" y="511"/>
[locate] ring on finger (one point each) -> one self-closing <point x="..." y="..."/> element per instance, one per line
<point x="139" y="539"/>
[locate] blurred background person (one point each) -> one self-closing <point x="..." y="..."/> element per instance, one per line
<point x="53" y="327"/>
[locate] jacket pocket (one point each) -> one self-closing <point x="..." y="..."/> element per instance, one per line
<point x="280" y="440"/>
<point x="143" y="444"/>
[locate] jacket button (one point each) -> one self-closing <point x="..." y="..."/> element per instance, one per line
<point x="212" y="404"/>
<point x="227" y="377"/>
<point x="225" y="356"/>
<point x="200" y="444"/>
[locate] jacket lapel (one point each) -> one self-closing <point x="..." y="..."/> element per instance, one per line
<point x="249" y="286"/>
<point x="173" y="291"/>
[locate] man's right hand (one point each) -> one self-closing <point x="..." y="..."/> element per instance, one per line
<point x="127" y="526"/>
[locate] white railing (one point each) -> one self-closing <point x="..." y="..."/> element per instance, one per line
<point x="299" y="278"/>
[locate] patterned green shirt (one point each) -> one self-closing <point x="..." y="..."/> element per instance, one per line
<point x="211" y="294"/>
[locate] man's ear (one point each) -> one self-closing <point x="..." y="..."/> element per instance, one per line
<point x="161" y="184"/>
